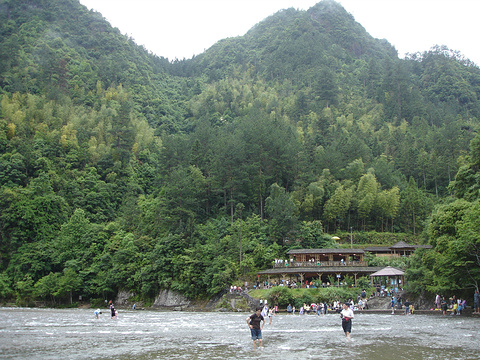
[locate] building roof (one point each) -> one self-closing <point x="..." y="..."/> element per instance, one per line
<point x="422" y="246"/>
<point x="388" y="271"/>
<point x="377" y="249"/>
<point x="325" y="251"/>
<point x="321" y="269"/>
<point x="401" y="245"/>
<point x="398" y="245"/>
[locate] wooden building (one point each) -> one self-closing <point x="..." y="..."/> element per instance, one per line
<point x="400" y="249"/>
<point x="318" y="265"/>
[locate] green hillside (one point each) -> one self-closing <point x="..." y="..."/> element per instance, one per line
<point x="122" y="170"/>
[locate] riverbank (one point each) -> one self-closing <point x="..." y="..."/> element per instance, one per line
<point x="242" y="301"/>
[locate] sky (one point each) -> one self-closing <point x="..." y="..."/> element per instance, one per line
<point x="183" y="28"/>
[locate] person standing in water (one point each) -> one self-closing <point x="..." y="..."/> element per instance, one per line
<point x="271" y="312"/>
<point x="444" y="305"/>
<point x="347" y="316"/>
<point x="253" y="322"/>
<point x="97" y="312"/>
<point x="476" y="302"/>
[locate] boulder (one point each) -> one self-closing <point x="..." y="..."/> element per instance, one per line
<point x="171" y="299"/>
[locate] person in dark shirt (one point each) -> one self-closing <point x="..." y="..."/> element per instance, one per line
<point x="253" y="322"/>
<point x="112" y="311"/>
<point x="407" y="307"/>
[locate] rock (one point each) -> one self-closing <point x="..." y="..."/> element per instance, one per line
<point x="171" y="299"/>
<point x="122" y="298"/>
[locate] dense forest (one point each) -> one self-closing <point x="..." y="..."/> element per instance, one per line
<point x="120" y="169"/>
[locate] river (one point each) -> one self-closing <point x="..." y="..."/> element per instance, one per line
<point x="45" y="334"/>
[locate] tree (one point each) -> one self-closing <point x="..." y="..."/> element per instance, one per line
<point x="25" y="290"/>
<point x="312" y="236"/>
<point x="185" y="195"/>
<point x="414" y="206"/>
<point x="452" y="263"/>
<point x="5" y="286"/>
<point x="326" y="88"/>
<point x="366" y="195"/>
<point x="122" y="131"/>
<point x="34" y="213"/>
<point x="336" y="208"/>
<point x="310" y="200"/>
<point x="74" y="238"/>
<point x="69" y="282"/>
<point x="466" y="184"/>
<point x="388" y="203"/>
<point x="47" y="286"/>
<point x="281" y="209"/>
<point x="467" y="250"/>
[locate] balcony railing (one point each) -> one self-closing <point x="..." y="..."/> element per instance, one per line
<point x="319" y="264"/>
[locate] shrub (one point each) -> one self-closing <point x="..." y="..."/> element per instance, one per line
<point x="305" y="297"/>
<point x="280" y="295"/>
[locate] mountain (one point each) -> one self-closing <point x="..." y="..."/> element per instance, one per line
<point x="61" y="49"/>
<point x="324" y="51"/>
<point x="294" y="44"/>
<point x="119" y="169"/>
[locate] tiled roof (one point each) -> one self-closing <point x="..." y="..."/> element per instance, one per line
<point x="388" y="271"/>
<point x="401" y="245"/>
<point x="377" y="248"/>
<point x="325" y="251"/>
<point x="321" y="269"/>
<point x="422" y="246"/>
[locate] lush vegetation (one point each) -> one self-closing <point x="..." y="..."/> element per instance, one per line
<point x="124" y="170"/>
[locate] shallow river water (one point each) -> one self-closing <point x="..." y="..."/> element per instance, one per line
<point x="146" y="335"/>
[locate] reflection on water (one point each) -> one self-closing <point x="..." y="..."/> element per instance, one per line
<point x="147" y="335"/>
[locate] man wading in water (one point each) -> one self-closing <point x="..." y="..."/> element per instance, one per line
<point x="253" y="322"/>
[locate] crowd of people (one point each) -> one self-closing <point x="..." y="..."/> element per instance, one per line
<point x="294" y="285"/>
<point x="400" y="304"/>
<point x="319" y="308"/>
<point x="454" y="305"/>
<point x="234" y="289"/>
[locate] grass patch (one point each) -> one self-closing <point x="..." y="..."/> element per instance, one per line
<point x="259" y="293"/>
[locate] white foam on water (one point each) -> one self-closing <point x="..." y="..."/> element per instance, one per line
<point x="149" y="335"/>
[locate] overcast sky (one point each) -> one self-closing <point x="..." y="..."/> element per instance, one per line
<point x="183" y="28"/>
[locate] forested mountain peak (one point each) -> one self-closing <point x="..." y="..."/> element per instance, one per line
<point x="344" y="30"/>
<point x="295" y="44"/>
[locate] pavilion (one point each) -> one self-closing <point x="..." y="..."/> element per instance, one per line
<point x="389" y="275"/>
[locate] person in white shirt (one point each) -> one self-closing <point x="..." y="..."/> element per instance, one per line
<point x="347" y="316"/>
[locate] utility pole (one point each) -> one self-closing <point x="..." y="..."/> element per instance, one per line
<point x="238" y="210"/>
<point x="351" y="237"/>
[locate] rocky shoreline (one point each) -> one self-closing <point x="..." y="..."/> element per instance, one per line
<point x="169" y="300"/>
